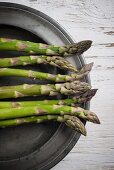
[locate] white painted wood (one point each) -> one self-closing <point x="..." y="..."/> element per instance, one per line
<point x="90" y="19"/>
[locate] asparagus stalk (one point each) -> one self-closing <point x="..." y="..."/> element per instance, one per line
<point x="48" y="109"/>
<point x="39" y="48"/>
<point x="71" y="121"/>
<point x="25" y="60"/>
<point x="68" y="88"/>
<point x="71" y="101"/>
<point x="47" y="76"/>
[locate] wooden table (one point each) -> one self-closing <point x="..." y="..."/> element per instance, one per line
<point x="94" y="20"/>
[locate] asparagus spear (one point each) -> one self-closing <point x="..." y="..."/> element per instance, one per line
<point x="75" y="87"/>
<point x="10" y="113"/>
<point x="41" y="75"/>
<point x="71" y="101"/>
<point x="39" y="48"/>
<point x="25" y="60"/>
<point x="71" y="121"/>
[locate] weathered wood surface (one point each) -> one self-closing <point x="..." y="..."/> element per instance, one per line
<point x="90" y="19"/>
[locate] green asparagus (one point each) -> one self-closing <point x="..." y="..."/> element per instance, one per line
<point x="75" y="87"/>
<point x="44" y="49"/>
<point x="56" y="61"/>
<point x="41" y="75"/>
<point x="71" y="121"/>
<point x="10" y="113"/>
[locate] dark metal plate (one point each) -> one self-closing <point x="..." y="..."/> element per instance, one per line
<point x="33" y="147"/>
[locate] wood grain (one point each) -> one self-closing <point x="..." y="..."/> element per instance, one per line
<point x="90" y="19"/>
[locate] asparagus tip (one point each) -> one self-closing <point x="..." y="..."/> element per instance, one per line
<point x="83" y="46"/>
<point x="86" y="68"/>
<point x="86" y="43"/>
<point x="85" y="96"/>
<point x="97" y="121"/>
<point x="76" y="124"/>
<point x="89" y="94"/>
<point x="92" y="117"/>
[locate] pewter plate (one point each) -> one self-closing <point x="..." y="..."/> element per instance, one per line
<point x="34" y="147"/>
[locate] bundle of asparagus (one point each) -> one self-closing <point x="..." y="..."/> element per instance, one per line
<point x="66" y="110"/>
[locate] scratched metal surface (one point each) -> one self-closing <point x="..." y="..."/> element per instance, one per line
<point x="90" y="19"/>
